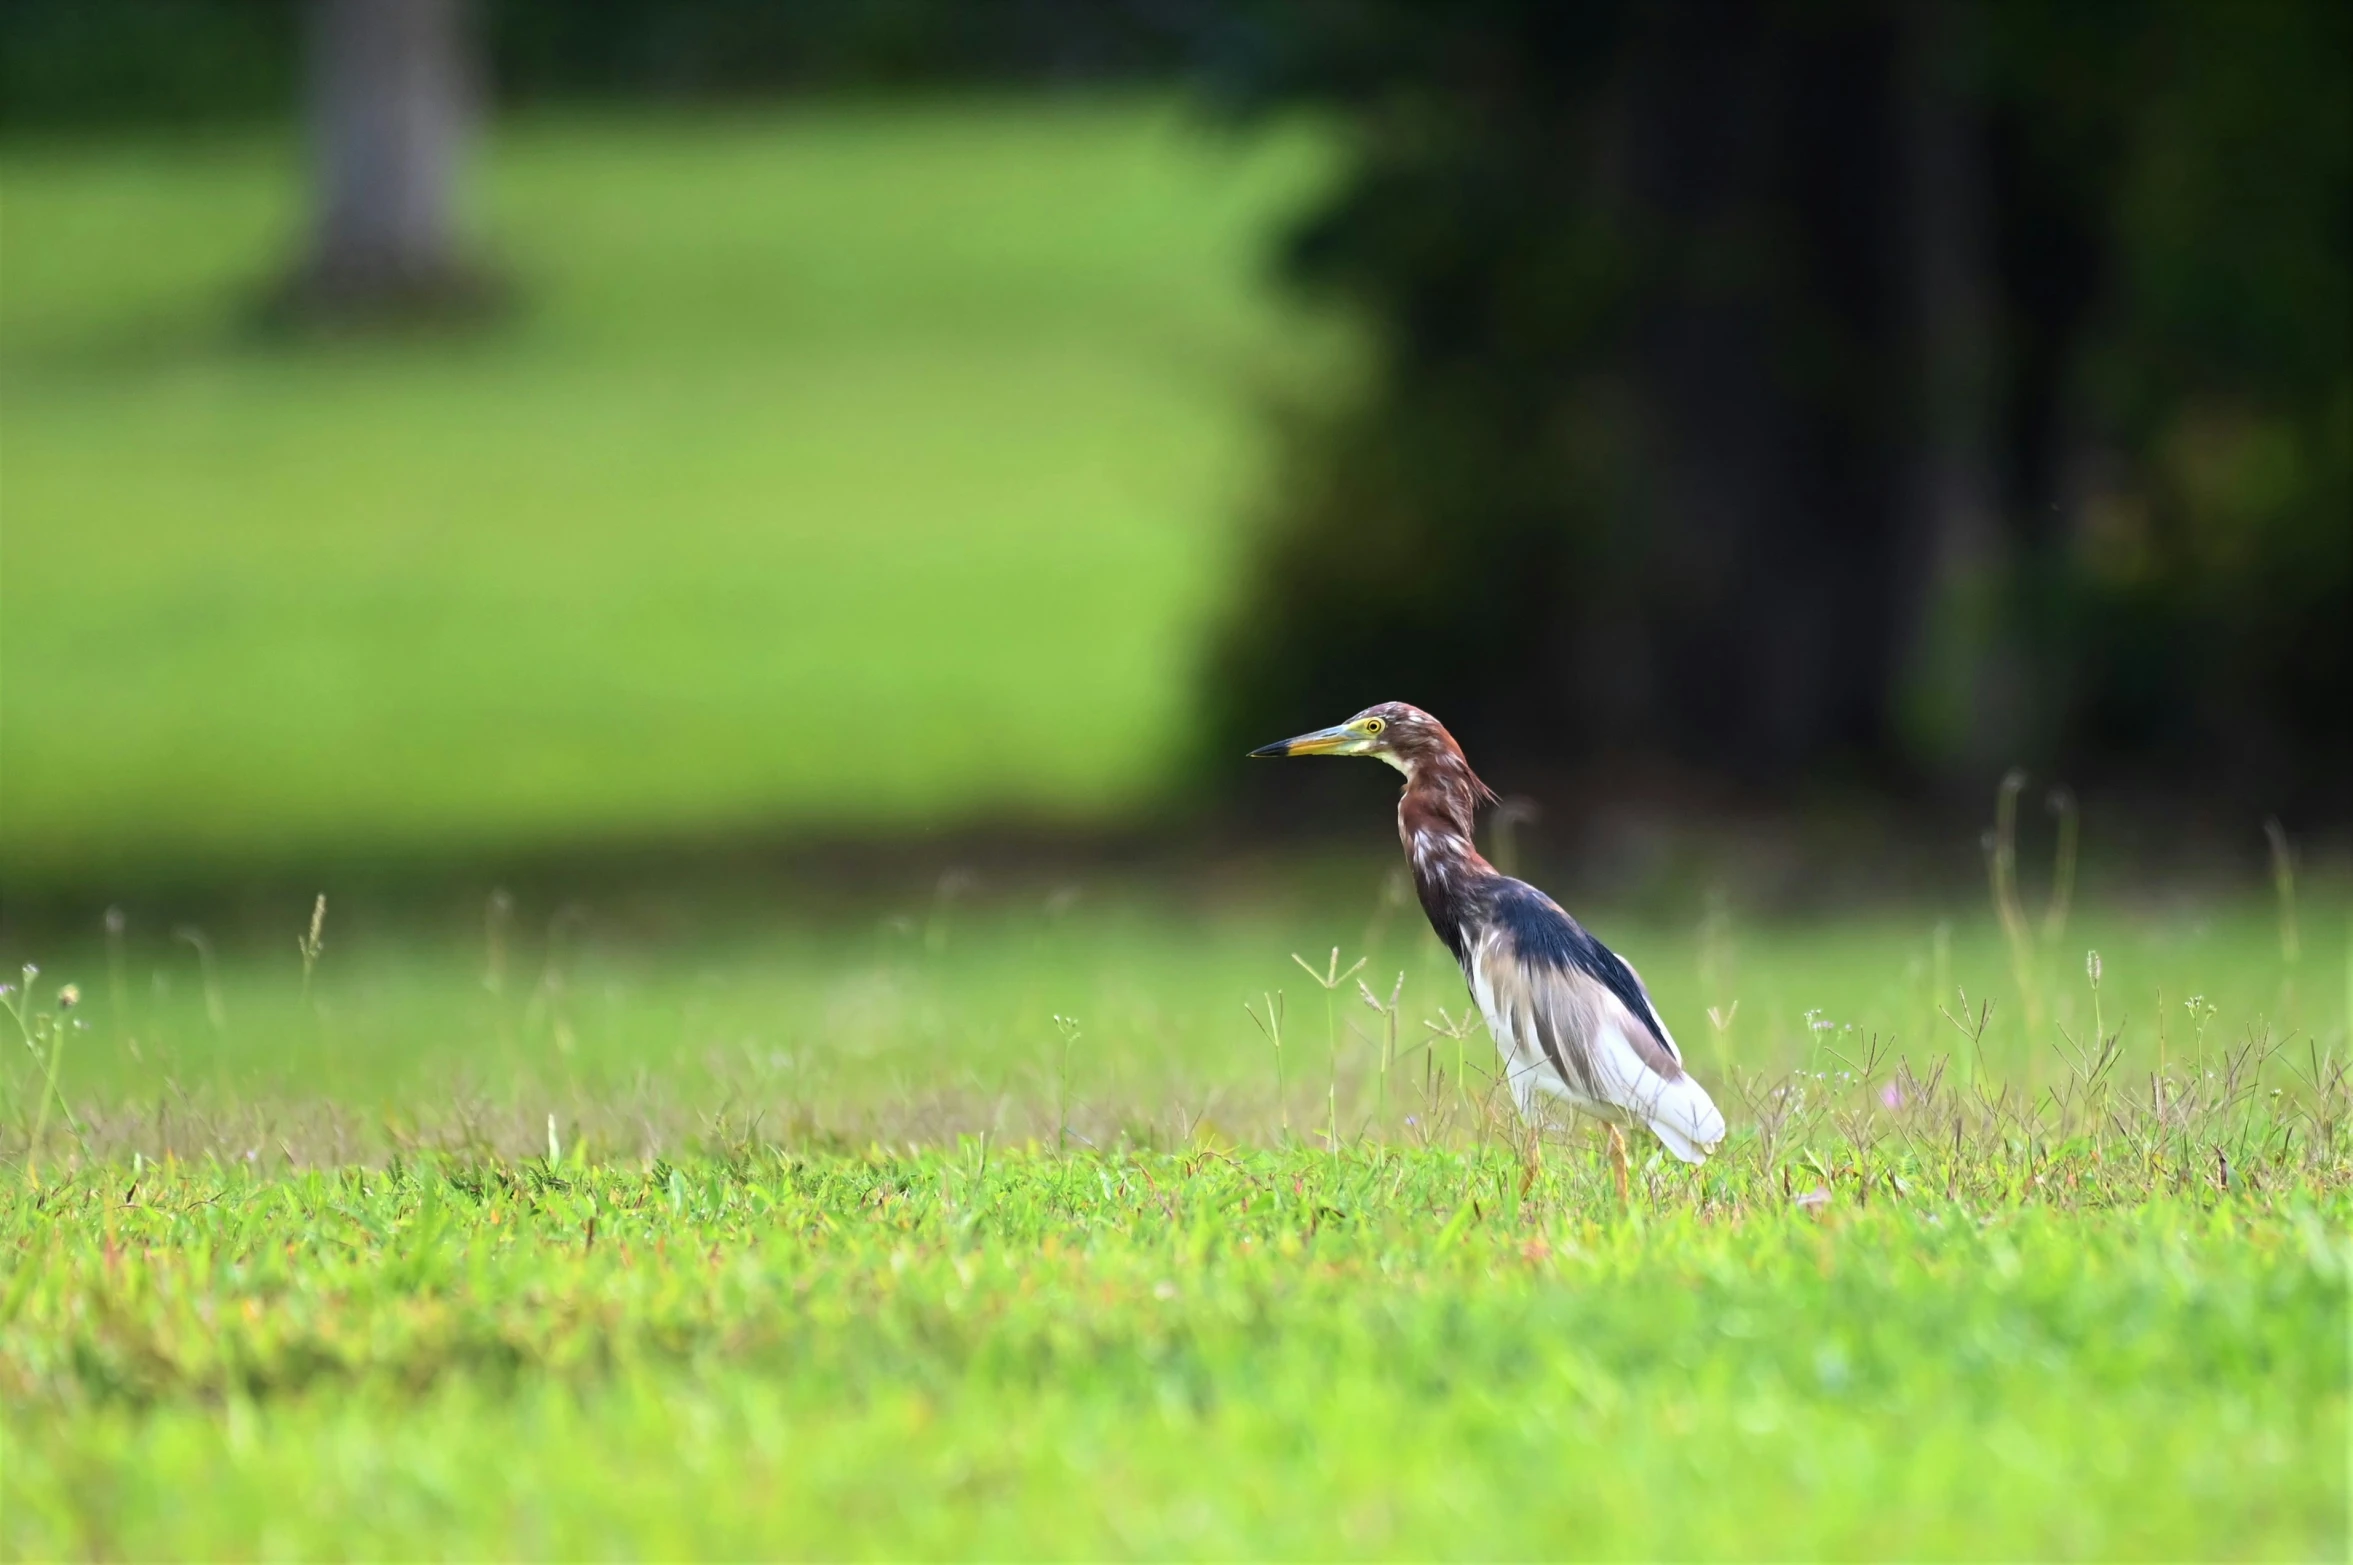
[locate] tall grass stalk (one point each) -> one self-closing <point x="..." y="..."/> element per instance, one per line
<point x="1271" y="1025"/>
<point x="1330" y="980"/>
<point x="1387" y="1011"/>
<point x="2024" y="938"/>
<point x="312" y="943"/>
<point x="216" y="1009"/>
<point x="2061" y="804"/>
<point x="1940" y="975"/>
<point x="2002" y="870"/>
<point x="2283" y="883"/>
<point x="2291" y="945"/>
<point x="43" y="1035"/>
<point x="1068" y="1027"/>
<point x="118" y="1000"/>
<point x="2091" y="970"/>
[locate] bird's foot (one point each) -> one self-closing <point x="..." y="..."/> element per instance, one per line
<point x="1618" y="1160"/>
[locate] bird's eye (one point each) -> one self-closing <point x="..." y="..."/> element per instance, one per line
<point x="1371" y="726"/>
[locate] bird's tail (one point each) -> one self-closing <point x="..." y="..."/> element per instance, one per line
<point x="1686" y="1119"/>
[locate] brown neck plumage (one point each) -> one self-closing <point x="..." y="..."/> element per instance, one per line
<point x="1434" y="818"/>
<point x="1441" y="804"/>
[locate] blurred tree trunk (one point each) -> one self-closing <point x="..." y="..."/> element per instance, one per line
<point x="1766" y="151"/>
<point x="1956" y="685"/>
<point x="391" y="106"/>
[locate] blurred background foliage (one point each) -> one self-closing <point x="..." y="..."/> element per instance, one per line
<point x="73" y="66"/>
<point x="1893" y="390"/>
<point x="1814" y="394"/>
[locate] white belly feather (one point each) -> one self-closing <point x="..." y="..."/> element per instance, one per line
<point x="1590" y="1029"/>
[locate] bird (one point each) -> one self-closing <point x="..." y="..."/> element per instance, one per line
<point x="1571" y="1020"/>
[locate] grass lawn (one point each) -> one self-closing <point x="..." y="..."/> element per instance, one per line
<point x="854" y="465"/>
<point x="1013" y="1355"/>
<point x="605" y="1235"/>
<point x="935" y="1016"/>
<point x="878" y="467"/>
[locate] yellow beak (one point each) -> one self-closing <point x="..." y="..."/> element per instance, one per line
<point x="1324" y="741"/>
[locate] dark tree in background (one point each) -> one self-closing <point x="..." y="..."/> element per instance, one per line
<point x="78" y="64"/>
<point x="391" y="89"/>
<point x="1842" y="387"/>
<point x="1881" y="389"/>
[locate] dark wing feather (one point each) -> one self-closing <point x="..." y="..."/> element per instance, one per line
<point x="1544" y="935"/>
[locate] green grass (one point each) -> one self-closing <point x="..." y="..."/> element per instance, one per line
<point x="936" y="1012"/>
<point x="1023" y="1356"/>
<point x="729" y="1237"/>
<point x="865" y="466"/>
<point x="877" y="467"/>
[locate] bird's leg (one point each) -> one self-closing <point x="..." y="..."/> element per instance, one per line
<point x="1618" y="1160"/>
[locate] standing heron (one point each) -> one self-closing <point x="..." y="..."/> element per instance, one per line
<point x="1571" y="1019"/>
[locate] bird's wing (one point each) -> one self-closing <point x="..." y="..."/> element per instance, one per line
<point x="1559" y="994"/>
<point x="1545" y="936"/>
<point x="1648" y="1012"/>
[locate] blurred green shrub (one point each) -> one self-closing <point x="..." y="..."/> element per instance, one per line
<point x="68" y="64"/>
<point x="80" y="64"/>
<point x="1793" y="388"/>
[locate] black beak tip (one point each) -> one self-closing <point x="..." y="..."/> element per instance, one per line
<point x="1279" y="747"/>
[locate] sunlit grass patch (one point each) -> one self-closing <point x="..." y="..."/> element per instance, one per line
<point x="845" y="465"/>
<point x="979" y="1225"/>
<point x="1197" y="1353"/>
<point x="1135" y="1015"/>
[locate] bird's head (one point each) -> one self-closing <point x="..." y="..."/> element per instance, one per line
<point x="1404" y="736"/>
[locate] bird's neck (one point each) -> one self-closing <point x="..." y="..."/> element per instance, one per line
<point x="1434" y="821"/>
<point x="1441" y="797"/>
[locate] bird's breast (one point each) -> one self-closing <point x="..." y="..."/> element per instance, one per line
<point x="1450" y="898"/>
